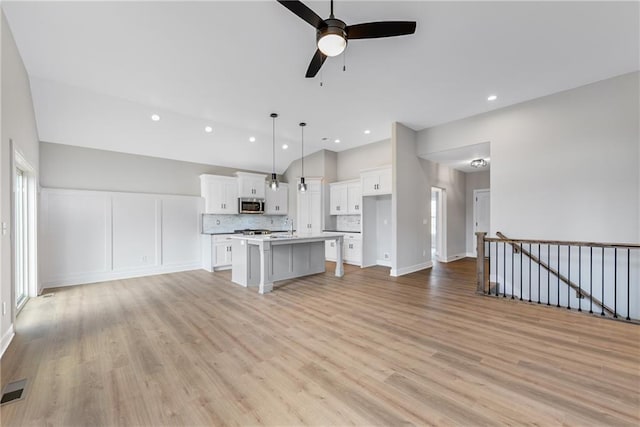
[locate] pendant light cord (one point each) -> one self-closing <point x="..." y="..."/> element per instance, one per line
<point x="302" y="158"/>
<point x="273" y="170"/>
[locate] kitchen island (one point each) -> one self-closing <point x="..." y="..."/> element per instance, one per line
<point x="264" y="259"/>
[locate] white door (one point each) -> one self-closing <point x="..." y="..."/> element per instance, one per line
<point x="481" y="213"/>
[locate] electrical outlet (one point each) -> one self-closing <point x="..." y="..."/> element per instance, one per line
<point x="4" y="308"/>
<point x="424" y="253"/>
<point x="4" y="228"/>
<point x="385" y="222"/>
<point x="424" y="221"/>
<point x="144" y="259"/>
<point x="386" y="256"/>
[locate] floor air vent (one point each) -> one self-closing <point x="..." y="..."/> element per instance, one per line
<point x="13" y="391"/>
<point x="47" y="295"/>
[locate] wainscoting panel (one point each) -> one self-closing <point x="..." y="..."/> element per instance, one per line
<point x="93" y="236"/>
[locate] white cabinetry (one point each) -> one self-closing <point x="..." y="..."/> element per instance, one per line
<point x="310" y="208"/>
<point x="351" y="249"/>
<point x="345" y="198"/>
<point x="277" y="202"/>
<point x="220" y="194"/>
<point x="251" y="185"/>
<point x="376" y="181"/>
<point x="221" y="251"/>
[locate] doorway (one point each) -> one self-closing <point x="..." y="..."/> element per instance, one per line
<point x="481" y="213"/>
<point x="438" y="224"/>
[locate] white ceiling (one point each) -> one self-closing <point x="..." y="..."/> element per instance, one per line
<point x="100" y="69"/>
<point x="460" y="158"/>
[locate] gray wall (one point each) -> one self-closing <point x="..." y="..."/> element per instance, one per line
<point x="563" y="167"/>
<point x="474" y="181"/>
<point x="352" y="161"/>
<point x="453" y="182"/>
<point x="18" y="124"/>
<point x="67" y="166"/>
<point x="411" y="240"/>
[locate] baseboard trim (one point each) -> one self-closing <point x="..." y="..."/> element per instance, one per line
<point x="383" y="262"/>
<point x="454" y="257"/>
<point x="411" y="269"/>
<point x="6" y="340"/>
<point x="88" y="278"/>
<point x="470" y="255"/>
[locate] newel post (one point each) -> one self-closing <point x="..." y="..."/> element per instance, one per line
<point x="480" y="261"/>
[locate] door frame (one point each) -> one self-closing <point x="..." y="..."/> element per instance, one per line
<point x="475" y="215"/>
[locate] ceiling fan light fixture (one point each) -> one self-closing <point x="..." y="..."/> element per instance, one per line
<point x="478" y="163"/>
<point x="332" y="44"/>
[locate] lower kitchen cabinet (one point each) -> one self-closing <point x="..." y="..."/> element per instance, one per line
<point x="351" y="249"/>
<point x="221" y="251"/>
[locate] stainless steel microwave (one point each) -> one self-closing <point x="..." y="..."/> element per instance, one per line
<point x="250" y="206"/>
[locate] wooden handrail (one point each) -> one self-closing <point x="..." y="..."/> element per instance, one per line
<point x="517" y="246"/>
<point x="562" y="243"/>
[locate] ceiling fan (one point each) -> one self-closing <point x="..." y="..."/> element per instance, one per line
<point x="332" y="34"/>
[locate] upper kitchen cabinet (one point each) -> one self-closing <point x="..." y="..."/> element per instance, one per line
<point x="376" y="181"/>
<point x="277" y="202"/>
<point x="220" y="194"/>
<point x="345" y="198"/>
<point x="251" y="185"/>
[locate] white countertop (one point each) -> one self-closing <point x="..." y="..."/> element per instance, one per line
<point x="280" y="238"/>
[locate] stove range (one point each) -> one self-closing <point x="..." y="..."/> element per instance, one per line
<point x="253" y="232"/>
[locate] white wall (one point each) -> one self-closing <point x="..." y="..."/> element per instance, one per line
<point x="92" y="236"/>
<point x="410" y="207"/>
<point x="473" y="181"/>
<point x="19" y="125"/>
<point x="564" y="166"/>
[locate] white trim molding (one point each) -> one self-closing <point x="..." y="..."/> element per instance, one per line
<point x="6" y="340"/>
<point x="454" y="257"/>
<point x="410" y="269"/>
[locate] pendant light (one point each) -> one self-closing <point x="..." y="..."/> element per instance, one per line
<point x="302" y="186"/>
<point x="274" y="178"/>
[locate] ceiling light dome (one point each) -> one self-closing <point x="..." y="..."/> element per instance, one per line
<point x="332" y="39"/>
<point x="478" y="163"/>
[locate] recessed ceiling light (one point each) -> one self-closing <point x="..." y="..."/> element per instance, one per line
<point x="367" y="132"/>
<point x="252" y="139"/>
<point x="285" y="146"/>
<point x="492" y="97"/>
<point x="155" y="117"/>
<point x="337" y="141"/>
<point x="208" y="129"/>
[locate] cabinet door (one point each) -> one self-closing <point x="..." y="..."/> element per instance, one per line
<point x="221" y="254"/>
<point x="315" y="213"/>
<point x="270" y="200"/>
<point x="258" y="187"/>
<point x="282" y="206"/>
<point x="370" y="182"/>
<point x="302" y="226"/>
<point x="230" y="201"/>
<point x="354" y="199"/>
<point x="330" y="251"/>
<point x="336" y="200"/>
<point x="384" y="184"/>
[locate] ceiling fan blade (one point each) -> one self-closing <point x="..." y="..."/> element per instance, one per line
<point x="316" y="63"/>
<point x="374" y="30"/>
<point x="303" y="12"/>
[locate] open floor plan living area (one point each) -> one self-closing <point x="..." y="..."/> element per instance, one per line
<point x="319" y="213"/>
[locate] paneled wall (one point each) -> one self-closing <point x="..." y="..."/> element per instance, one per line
<point x="92" y="236"/>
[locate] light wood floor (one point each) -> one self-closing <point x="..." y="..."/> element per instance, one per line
<point x="194" y="349"/>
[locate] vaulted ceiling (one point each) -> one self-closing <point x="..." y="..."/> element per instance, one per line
<point x="99" y="70"/>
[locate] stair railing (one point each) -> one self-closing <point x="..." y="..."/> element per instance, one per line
<point x="604" y="276"/>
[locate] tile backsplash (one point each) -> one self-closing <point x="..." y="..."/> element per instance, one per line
<point x="348" y="223"/>
<point x="228" y="223"/>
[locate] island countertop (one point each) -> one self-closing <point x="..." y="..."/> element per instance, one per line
<point x="284" y="238"/>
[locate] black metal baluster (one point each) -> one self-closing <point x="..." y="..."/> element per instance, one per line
<point x="529" y="272"/>
<point x="568" y="277"/>
<point x="602" y="295"/>
<point x="497" y="270"/>
<point x="549" y="275"/>
<point x="490" y="268"/>
<point x="504" y="269"/>
<point x="628" y="281"/>
<point x="558" y="303"/>
<point x="579" y="278"/>
<point x="591" y="280"/>
<point x="521" y="248"/>
<point x="513" y="283"/>
<point x="615" y="283"/>
<point x="539" y="259"/>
